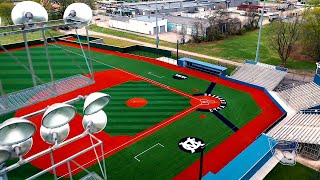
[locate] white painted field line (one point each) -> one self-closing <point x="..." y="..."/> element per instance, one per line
<point x="144" y="78"/>
<point x="136" y="157"/>
<point x="155" y="75"/>
<point x="163" y="123"/>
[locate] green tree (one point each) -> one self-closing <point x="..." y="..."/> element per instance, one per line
<point x="5" y="11"/>
<point x="283" y="36"/>
<point x="311" y="30"/>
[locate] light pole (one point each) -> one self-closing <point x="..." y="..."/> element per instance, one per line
<point x="157" y="29"/>
<point x="193" y="145"/>
<point x="260" y="31"/>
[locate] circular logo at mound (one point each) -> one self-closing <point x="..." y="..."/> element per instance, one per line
<point x="136" y="102"/>
<point x="191" y="144"/>
<point x="180" y="76"/>
<point x="209" y="102"/>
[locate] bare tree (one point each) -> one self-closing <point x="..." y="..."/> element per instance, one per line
<point x="252" y="20"/>
<point x="197" y="31"/>
<point x="234" y="26"/>
<point x="283" y="35"/>
<point x="183" y="33"/>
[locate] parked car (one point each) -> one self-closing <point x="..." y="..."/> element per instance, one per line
<point x="273" y="17"/>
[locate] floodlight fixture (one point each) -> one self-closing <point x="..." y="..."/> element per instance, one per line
<point x="58" y="115"/>
<point x="78" y="12"/>
<point x="28" y="12"/>
<point x="21" y="149"/>
<point x="5" y="154"/>
<point x="55" y="135"/>
<point x="95" y="102"/>
<point x="96" y="122"/>
<point x="16" y="130"/>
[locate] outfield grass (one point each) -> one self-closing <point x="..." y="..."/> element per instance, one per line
<point x="160" y="162"/>
<point x="298" y="171"/>
<point x="238" y="48"/>
<point x="64" y="64"/>
<point x="124" y="120"/>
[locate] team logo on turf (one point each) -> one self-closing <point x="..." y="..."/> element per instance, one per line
<point x="180" y="76"/>
<point x="191" y="144"/>
<point x="211" y="102"/>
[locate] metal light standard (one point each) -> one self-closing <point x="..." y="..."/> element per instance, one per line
<point x="260" y="31"/>
<point x="157" y="30"/>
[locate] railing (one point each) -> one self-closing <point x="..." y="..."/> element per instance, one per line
<point x="16" y="100"/>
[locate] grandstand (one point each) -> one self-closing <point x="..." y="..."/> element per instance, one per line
<point x="260" y="74"/>
<point x="26" y="97"/>
<point x="302" y="97"/>
<point x="303" y="128"/>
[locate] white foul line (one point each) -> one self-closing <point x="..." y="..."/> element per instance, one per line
<point x="144" y="78"/>
<point x="155" y="75"/>
<point x="136" y="157"/>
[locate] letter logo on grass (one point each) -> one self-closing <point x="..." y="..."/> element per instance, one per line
<point x="180" y="76"/>
<point x="191" y="144"/>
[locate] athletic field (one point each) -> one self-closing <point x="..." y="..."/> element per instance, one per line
<point x="149" y="113"/>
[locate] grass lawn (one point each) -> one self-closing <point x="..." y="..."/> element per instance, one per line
<point x="298" y="171"/>
<point x="16" y="38"/>
<point x="117" y="42"/>
<point x="236" y="48"/>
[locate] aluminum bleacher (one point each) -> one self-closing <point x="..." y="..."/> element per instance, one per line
<point x="302" y="97"/>
<point x="260" y="74"/>
<point x="302" y="127"/>
<point x="14" y="101"/>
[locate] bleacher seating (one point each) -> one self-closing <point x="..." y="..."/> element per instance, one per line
<point x="302" y="97"/>
<point x="26" y="97"/>
<point x="302" y="127"/>
<point x="259" y="74"/>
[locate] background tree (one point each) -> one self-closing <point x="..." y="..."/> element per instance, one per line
<point x="252" y="20"/>
<point x="311" y="30"/>
<point x="183" y="33"/>
<point x="6" y="7"/>
<point x="283" y="35"/>
<point x="197" y="31"/>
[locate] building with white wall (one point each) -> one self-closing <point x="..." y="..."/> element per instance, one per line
<point x="140" y="24"/>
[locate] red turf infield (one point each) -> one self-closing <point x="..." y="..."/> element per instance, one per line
<point x="111" y="144"/>
<point x="217" y="158"/>
<point x="221" y="155"/>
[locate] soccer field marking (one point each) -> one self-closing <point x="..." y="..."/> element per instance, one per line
<point x="139" y="76"/>
<point x="155" y="75"/>
<point x="136" y="157"/>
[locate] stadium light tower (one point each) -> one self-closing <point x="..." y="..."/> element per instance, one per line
<point x="157" y="29"/>
<point x="260" y="32"/>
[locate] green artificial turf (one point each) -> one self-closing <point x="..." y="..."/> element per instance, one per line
<point x="160" y="162"/>
<point x="298" y="171"/>
<point x="124" y="120"/>
<point x="164" y="162"/>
